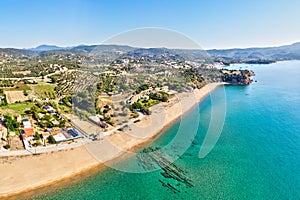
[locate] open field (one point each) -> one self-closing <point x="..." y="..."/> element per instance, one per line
<point x="18" y="87"/>
<point x="15" y="96"/>
<point x="102" y="101"/>
<point x="22" y="72"/>
<point x="44" y="91"/>
<point x="17" y="107"/>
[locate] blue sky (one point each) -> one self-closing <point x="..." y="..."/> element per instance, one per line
<point x="210" y="23"/>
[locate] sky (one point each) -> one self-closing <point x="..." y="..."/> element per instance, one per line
<point x="211" y="24"/>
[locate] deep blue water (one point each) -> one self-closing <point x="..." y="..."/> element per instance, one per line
<point x="256" y="157"/>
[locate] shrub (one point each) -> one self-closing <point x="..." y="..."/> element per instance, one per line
<point x="51" y="139"/>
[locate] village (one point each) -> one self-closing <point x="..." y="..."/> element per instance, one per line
<point x="40" y="127"/>
<point x="28" y="122"/>
<point x="60" y="102"/>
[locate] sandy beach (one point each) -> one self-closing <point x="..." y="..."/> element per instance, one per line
<point x="22" y="174"/>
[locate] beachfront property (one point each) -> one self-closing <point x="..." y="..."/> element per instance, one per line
<point x="30" y="138"/>
<point x="135" y="98"/>
<point x="57" y="134"/>
<point x="28" y="133"/>
<point x="73" y="132"/>
<point x="144" y="95"/>
<point x="97" y="120"/>
<point x="44" y="124"/>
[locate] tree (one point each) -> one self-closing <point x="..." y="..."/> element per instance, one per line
<point x="53" y="79"/>
<point x="146" y="111"/>
<point x="144" y="87"/>
<point x="137" y="105"/>
<point x="25" y="93"/>
<point x="51" y="139"/>
<point x="34" y="109"/>
<point x="37" y="136"/>
<point x="10" y="122"/>
<point x="164" y="98"/>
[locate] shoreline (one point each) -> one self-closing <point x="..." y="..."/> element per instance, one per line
<point x="24" y="175"/>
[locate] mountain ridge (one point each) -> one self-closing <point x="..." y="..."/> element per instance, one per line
<point x="264" y="54"/>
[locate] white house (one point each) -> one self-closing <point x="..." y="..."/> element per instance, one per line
<point x="26" y="123"/>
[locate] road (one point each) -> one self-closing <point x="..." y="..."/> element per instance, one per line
<point x="58" y="147"/>
<point x="39" y="77"/>
<point x="47" y="149"/>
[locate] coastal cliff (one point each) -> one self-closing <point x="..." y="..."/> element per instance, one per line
<point x="237" y="77"/>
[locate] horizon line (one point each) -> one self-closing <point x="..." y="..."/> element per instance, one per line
<point x="94" y="44"/>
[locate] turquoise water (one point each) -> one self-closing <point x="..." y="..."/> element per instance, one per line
<point x="256" y="157"/>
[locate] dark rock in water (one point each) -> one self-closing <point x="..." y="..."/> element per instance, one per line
<point x="174" y="189"/>
<point x="169" y="187"/>
<point x="153" y="157"/>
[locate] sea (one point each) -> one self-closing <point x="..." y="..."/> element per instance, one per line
<point x="255" y="154"/>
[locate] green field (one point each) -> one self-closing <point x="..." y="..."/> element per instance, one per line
<point x="44" y="91"/>
<point x="18" y="87"/>
<point x="20" y="107"/>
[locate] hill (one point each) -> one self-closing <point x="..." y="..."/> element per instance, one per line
<point x="227" y="56"/>
<point x="47" y="48"/>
